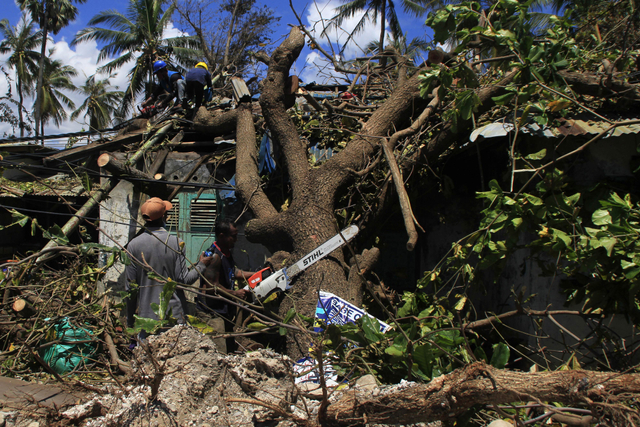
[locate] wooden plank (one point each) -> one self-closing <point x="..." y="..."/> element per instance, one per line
<point x="86" y="150"/>
<point x="21" y="394"/>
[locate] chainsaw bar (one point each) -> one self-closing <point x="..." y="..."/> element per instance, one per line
<point x="281" y="278"/>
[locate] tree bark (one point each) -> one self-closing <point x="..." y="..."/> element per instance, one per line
<point x="122" y="170"/>
<point x="448" y="396"/>
<point x="215" y="124"/>
<point x="600" y="85"/>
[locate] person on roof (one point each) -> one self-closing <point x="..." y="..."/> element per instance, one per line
<point x="197" y="78"/>
<point x="171" y="85"/>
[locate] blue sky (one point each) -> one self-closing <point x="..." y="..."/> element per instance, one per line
<point x="83" y="57"/>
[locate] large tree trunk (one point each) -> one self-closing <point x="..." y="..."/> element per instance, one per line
<point x="309" y="220"/>
<point x="449" y="396"/>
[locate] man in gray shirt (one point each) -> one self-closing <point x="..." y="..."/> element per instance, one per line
<point x="156" y="251"/>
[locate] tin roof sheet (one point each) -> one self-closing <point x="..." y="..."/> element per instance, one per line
<point x="568" y="127"/>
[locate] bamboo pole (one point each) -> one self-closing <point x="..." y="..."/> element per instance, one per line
<point x="104" y="190"/>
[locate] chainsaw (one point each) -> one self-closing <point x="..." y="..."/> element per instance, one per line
<point x="265" y="281"/>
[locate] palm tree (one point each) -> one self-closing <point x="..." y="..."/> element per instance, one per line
<point x="137" y="36"/>
<point x="57" y="77"/>
<point x="21" y="40"/>
<point x="100" y="104"/>
<point x="375" y="10"/>
<point x="51" y="15"/>
<point x="409" y="51"/>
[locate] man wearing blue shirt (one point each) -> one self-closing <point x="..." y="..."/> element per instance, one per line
<point x="171" y="84"/>
<point x="197" y="78"/>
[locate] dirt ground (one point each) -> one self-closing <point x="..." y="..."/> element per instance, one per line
<point x="198" y="386"/>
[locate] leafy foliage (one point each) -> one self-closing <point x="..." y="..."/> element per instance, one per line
<point x="229" y="31"/>
<point x="21" y="41"/>
<point x="597" y="252"/>
<point x="538" y="90"/>
<point x="426" y="342"/>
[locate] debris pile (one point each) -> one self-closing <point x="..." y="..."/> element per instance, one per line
<point x="198" y="386"/>
<point x="53" y="320"/>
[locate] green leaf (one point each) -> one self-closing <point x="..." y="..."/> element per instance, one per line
<point x="200" y="325"/>
<point x="467" y="101"/>
<point x="256" y="326"/>
<point x="446" y="338"/>
<point x="289" y="316"/>
<point x="149" y="325"/>
<point x="165" y="297"/>
<point x="537" y="156"/>
<point x="480" y="354"/>
<point x="423" y="356"/>
<point x="632" y="272"/>
<point x="608" y="243"/>
<point x="536" y="201"/>
<point x="601" y="217"/>
<point x="86" y="182"/>
<point x="399" y="347"/>
<point x="371" y="329"/>
<point x="500" y="355"/>
<point x="55" y="233"/>
<point x="503" y="99"/>
<point x="619" y="201"/>
<point x="19" y="218"/>
<point x="460" y="304"/>
<point x="561" y="235"/>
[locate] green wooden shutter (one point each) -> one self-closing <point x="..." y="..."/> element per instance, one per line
<point x="193" y="220"/>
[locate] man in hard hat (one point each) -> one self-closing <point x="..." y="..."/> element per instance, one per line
<point x="171" y="85"/>
<point x="197" y="78"/>
<point x="156" y="251"/>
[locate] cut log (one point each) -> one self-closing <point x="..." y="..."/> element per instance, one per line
<point x="23" y="308"/>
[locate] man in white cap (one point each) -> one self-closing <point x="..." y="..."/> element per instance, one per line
<point x="156" y="251"/>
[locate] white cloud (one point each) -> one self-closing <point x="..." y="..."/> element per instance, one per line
<point x="317" y="15"/>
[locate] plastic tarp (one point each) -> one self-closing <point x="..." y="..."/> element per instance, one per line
<point x="68" y="353"/>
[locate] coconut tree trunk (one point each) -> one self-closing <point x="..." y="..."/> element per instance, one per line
<point x="20" y="102"/>
<point x="383" y="8"/>
<point x="38" y="106"/>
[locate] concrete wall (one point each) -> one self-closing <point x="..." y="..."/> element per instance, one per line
<point x="448" y="218"/>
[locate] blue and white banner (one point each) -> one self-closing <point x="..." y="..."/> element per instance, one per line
<point x="333" y="310"/>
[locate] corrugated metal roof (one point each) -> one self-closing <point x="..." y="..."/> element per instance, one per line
<point x="569" y="127"/>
